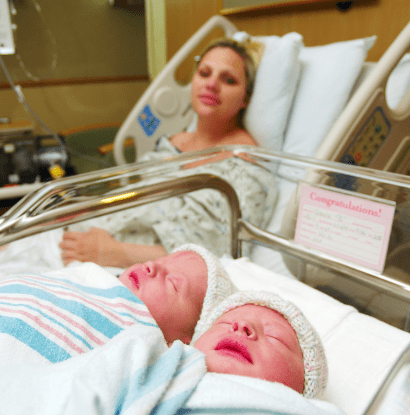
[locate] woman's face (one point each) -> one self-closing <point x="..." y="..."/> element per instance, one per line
<point x="219" y="84"/>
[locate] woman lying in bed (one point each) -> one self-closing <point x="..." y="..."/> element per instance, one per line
<point x="221" y="89"/>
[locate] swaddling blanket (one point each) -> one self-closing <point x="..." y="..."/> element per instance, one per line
<point x="51" y="317"/>
<point x="135" y="373"/>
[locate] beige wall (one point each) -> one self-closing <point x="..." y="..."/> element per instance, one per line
<point x="68" y="106"/>
<point x="92" y="40"/>
<point x="319" y="24"/>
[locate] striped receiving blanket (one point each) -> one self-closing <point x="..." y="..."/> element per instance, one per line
<point x="51" y="317"/>
<point x="133" y="373"/>
<point x="128" y="368"/>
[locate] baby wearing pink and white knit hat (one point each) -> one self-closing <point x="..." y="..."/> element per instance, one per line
<point x="315" y="371"/>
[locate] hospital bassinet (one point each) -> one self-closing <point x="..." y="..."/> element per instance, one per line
<point x="361" y="349"/>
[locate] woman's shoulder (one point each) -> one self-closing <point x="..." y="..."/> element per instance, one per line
<point x="242" y="137"/>
<point x="180" y="140"/>
<point x="188" y="141"/>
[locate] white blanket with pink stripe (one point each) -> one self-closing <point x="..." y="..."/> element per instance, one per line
<point x="48" y="318"/>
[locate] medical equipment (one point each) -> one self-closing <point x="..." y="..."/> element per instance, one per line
<point x="27" y="158"/>
<point x="372" y="132"/>
<point x="361" y="350"/>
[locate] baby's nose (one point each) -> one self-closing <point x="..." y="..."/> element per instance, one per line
<point x="151" y="269"/>
<point x="245" y="328"/>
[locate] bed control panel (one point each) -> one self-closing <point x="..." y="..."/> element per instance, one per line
<point x="369" y="141"/>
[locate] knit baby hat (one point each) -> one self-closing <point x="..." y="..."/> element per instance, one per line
<point x="314" y="359"/>
<point x="219" y="285"/>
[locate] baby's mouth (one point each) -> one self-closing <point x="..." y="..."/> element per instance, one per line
<point x="235" y="349"/>
<point x="134" y="279"/>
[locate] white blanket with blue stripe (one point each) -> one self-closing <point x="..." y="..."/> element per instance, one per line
<point x="134" y="373"/>
<point x="128" y="368"/>
<point x="47" y="318"/>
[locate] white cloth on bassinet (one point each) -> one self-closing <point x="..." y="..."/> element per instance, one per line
<point x="200" y="217"/>
<point x="135" y="373"/>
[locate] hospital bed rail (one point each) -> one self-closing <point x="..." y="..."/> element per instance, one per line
<point x="166" y="103"/>
<point x="66" y="201"/>
<point x="75" y="199"/>
<point x="394" y="392"/>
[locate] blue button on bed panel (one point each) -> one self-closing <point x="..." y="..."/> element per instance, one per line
<point x="148" y="121"/>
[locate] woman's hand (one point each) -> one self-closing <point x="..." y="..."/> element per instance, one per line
<point x="95" y="245"/>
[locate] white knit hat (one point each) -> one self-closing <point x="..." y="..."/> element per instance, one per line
<point x="314" y="358"/>
<point x="219" y="284"/>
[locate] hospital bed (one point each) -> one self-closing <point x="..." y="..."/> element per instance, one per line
<point x="361" y="347"/>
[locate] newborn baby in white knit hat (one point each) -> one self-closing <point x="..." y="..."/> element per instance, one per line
<point x="261" y="335"/>
<point x="51" y="317"/>
<point x="180" y="289"/>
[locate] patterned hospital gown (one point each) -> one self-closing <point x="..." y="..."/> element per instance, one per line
<point x="199" y="217"/>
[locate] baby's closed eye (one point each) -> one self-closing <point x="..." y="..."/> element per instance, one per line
<point x="274" y="338"/>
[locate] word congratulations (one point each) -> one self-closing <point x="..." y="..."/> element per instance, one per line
<point x="345" y="205"/>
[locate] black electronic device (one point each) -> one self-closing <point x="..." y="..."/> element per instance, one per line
<point x="26" y="158"/>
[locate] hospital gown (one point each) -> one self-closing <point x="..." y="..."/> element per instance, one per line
<point x="200" y="217"/>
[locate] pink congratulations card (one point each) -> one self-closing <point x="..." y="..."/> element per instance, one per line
<point x="349" y="227"/>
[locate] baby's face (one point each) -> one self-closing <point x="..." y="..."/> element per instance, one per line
<point x="254" y="341"/>
<point x="173" y="288"/>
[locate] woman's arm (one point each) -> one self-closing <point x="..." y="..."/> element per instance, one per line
<point x="98" y="246"/>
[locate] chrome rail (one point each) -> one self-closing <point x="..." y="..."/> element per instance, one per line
<point x="77" y="198"/>
<point x="31" y="223"/>
<point x="250" y="233"/>
<point x="387" y="396"/>
<point x="85" y="184"/>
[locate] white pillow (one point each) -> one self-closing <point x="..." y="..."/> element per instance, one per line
<point x="275" y="84"/>
<point x="327" y="77"/>
<point x="399" y="82"/>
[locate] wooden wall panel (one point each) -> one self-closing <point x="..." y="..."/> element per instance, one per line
<point x="319" y="24"/>
<point x="184" y="17"/>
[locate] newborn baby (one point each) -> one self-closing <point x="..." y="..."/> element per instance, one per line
<point x="261" y="335"/>
<point x="53" y="317"/>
